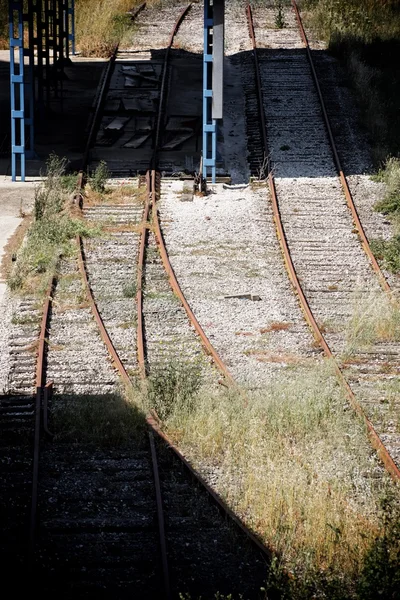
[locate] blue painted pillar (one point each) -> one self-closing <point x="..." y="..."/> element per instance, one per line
<point x="209" y="124"/>
<point x="30" y="85"/>
<point x="71" y="17"/>
<point x="17" y="82"/>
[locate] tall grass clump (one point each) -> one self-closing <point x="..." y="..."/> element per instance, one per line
<point x="374" y="319"/>
<point x="388" y="251"/>
<point x="101" y="24"/>
<point x="51" y="233"/>
<point x="294" y="463"/>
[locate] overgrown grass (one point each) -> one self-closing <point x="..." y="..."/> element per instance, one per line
<point x="374" y="319"/>
<point x="390" y="175"/>
<point x="105" y="420"/>
<point x="101" y="24"/>
<point x="388" y="251"/>
<point x="4" y="26"/>
<point x="172" y="387"/>
<point x="51" y="233"/>
<point x="365" y="35"/>
<point x="295" y="463"/>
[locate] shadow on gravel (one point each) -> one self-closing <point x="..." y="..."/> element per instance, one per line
<point x="97" y="528"/>
<point x="296" y="131"/>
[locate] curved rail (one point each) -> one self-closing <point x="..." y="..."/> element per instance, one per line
<point x="343" y="180"/>
<point x="208" y="347"/>
<point x="373" y="435"/>
<point x="139" y="282"/>
<point x="163" y="95"/>
<point x="40" y="403"/>
<point x="150" y="205"/>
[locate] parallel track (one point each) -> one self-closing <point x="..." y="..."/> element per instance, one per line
<point x="376" y="441"/>
<point x="150" y="211"/>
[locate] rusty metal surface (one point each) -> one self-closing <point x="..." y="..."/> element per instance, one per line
<point x="40" y="387"/>
<point x="346" y="189"/>
<point x="373" y="435"/>
<point x="139" y="284"/>
<point x="103" y="331"/>
<point x="40" y="363"/>
<point x="160" y="515"/>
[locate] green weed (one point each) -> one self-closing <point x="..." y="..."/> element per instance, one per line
<point x="129" y="290"/>
<point x="99" y="177"/>
<point x="173" y="387"/>
<point x="279" y="17"/>
<point x="50" y="234"/>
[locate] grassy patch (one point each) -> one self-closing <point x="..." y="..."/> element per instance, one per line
<point x="51" y="234"/>
<point x="101" y="24"/>
<point x="374" y="319"/>
<point x="390" y="175"/>
<point x="4" y="43"/>
<point x="294" y="463"/>
<point x="388" y="251"/>
<point x="173" y="387"/>
<point x="105" y="420"/>
<point x="129" y="290"/>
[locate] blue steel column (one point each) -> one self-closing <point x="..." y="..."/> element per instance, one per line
<point x="30" y="83"/>
<point x="209" y="124"/>
<point x="16" y="31"/>
<point x="71" y="18"/>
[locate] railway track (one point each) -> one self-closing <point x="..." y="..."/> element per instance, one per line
<point x="106" y="504"/>
<point x="328" y="266"/>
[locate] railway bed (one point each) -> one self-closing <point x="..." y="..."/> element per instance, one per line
<point x="330" y="267"/>
<point x="98" y="531"/>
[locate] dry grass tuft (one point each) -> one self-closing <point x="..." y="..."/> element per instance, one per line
<point x="121" y="194"/>
<point x="101" y="24"/>
<point x="375" y="319"/>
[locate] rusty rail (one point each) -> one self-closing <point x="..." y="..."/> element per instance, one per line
<point x="343" y="180"/>
<point x="139" y="279"/>
<point x="208" y="347"/>
<point x="163" y="91"/>
<point x="41" y="400"/>
<point x="373" y="435"/>
<point x="150" y="205"/>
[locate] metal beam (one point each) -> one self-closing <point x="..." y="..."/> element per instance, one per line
<point x="218" y="60"/>
<point x="46" y="25"/>
<point x="209" y="124"/>
<point x="17" y="82"/>
<point x="71" y="25"/>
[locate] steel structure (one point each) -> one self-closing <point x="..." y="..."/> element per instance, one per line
<point x="212" y="82"/>
<point x="35" y="67"/>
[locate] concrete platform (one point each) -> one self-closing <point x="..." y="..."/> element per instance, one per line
<point x="16" y="200"/>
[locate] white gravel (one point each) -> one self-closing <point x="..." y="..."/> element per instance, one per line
<point x="5" y="325"/>
<point x="225" y="244"/>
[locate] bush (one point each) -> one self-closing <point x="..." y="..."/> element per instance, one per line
<point x="172" y="387"/>
<point x="390" y="175"/>
<point x="99" y="178"/>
